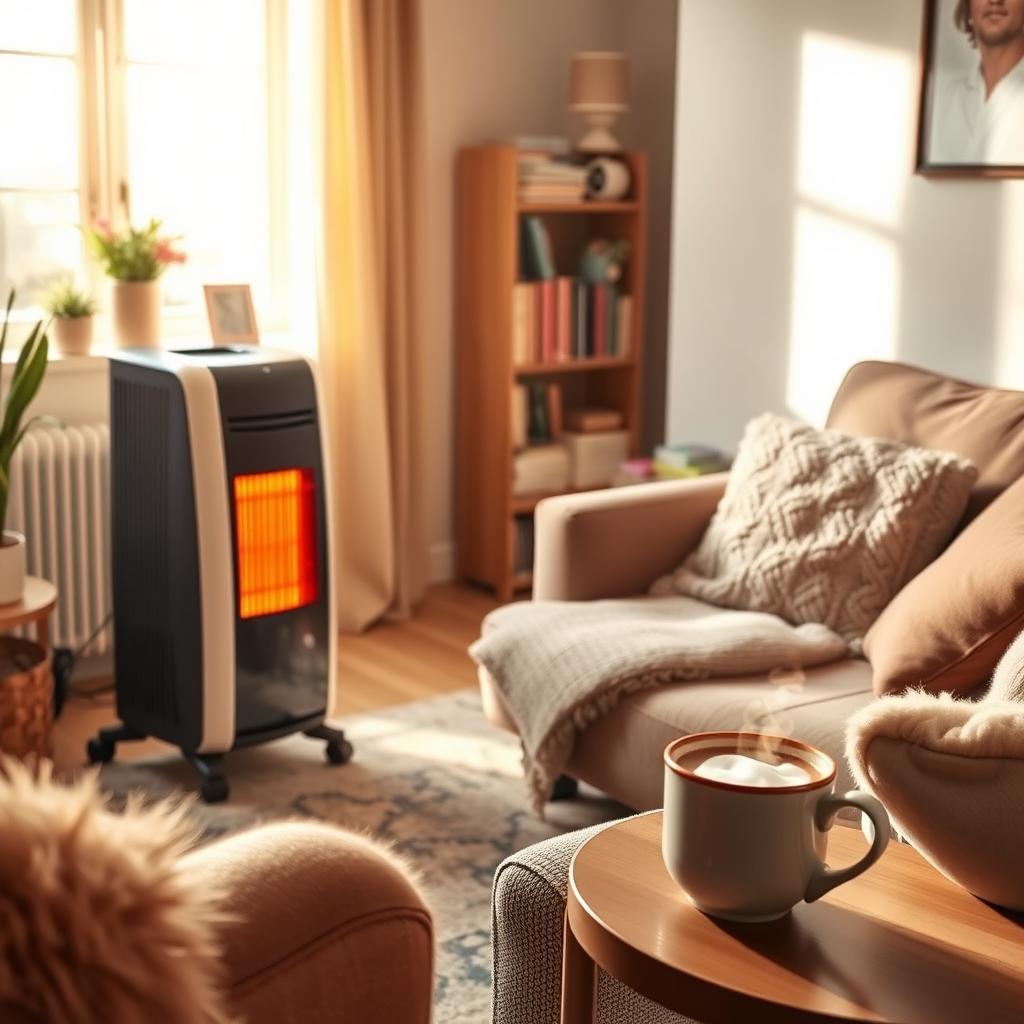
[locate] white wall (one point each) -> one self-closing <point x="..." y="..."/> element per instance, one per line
<point x="496" y="68"/>
<point x="802" y="240"/>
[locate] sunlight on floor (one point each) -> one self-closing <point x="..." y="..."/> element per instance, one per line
<point x="853" y="152"/>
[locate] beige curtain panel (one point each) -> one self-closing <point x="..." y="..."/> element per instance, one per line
<point x="371" y="302"/>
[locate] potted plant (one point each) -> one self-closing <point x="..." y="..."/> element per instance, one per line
<point x="25" y="380"/>
<point x="72" y="310"/>
<point x="135" y="258"/>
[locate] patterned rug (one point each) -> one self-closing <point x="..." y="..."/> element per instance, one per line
<point x="432" y="777"/>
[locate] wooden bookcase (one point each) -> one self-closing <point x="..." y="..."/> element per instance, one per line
<point x="488" y="225"/>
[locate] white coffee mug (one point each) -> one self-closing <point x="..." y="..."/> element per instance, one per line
<point x="751" y="853"/>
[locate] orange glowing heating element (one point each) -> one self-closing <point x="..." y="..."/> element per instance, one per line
<point x="275" y="528"/>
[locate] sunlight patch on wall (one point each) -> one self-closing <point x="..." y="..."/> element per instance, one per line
<point x="846" y="284"/>
<point x="854" y="149"/>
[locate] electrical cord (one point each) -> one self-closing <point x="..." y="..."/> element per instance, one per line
<point x="64" y="662"/>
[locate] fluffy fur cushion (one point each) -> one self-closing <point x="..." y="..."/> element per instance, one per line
<point x="816" y="526"/>
<point x="951" y="775"/>
<point x="97" y="920"/>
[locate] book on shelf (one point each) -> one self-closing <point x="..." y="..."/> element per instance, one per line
<point x="537" y="262"/>
<point x="540" y="403"/>
<point x="547" y="177"/>
<point x="522" y="323"/>
<point x="623" y="325"/>
<point x="520" y="415"/>
<point x="563" y="319"/>
<point x="679" y="461"/>
<point x="523" y="554"/>
<point x="547" y="324"/>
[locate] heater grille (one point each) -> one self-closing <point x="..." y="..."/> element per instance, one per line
<point x="275" y="530"/>
<point x="271" y="421"/>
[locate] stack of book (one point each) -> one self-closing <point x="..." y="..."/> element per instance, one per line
<point x="675" y="461"/>
<point x="546" y="174"/>
<point x="564" y="318"/>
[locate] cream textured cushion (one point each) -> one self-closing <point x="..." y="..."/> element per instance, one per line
<point x="951" y="775"/>
<point x="816" y="526"/>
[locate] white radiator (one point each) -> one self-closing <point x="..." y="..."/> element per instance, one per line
<point x="60" y="501"/>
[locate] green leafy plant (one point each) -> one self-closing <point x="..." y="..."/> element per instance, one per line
<point x="25" y="380"/>
<point x="67" y="301"/>
<point x="135" y="254"/>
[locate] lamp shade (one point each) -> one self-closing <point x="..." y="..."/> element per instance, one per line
<point x="599" y="80"/>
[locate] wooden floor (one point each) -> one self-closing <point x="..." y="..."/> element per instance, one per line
<point x="393" y="663"/>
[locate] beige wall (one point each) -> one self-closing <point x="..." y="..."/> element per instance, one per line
<point x="802" y="240"/>
<point x="495" y="68"/>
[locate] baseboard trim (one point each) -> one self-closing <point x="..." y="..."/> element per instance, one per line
<point x="442" y="562"/>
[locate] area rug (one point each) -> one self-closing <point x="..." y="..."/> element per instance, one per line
<point x="433" y="777"/>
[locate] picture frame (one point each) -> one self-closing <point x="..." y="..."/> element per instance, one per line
<point x="971" y="111"/>
<point x="230" y="311"/>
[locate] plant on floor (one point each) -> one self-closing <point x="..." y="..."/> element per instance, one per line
<point x="25" y="380"/>
<point x="68" y="302"/>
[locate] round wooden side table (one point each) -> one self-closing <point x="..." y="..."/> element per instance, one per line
<point x="900" y="943"/>
<point x="36" y="606"/>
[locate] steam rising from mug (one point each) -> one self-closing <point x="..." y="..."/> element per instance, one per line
<point x="762" y="715"/>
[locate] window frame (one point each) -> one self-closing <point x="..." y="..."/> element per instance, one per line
<point x="104" y="190"/>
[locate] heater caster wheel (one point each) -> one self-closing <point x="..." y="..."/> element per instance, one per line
<point x="215" y="790"/>
<point x="339" y="752"/>
<point x="99" y="751"/>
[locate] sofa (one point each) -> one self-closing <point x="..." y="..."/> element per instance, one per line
<point x="615" y="543"/>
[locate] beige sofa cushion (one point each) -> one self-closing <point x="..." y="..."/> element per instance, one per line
<point x="819" y="527"/>
<point x="949" y="626"/>
<point x="621" y="754"/>
<point x="915" y="406"/>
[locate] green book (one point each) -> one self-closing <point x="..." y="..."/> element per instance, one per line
<point x="538" y="263"/>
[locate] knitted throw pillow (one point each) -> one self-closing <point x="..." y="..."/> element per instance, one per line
<point x="816" y="526"/>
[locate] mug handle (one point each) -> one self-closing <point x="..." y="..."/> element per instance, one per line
<point x="824" y="878"/>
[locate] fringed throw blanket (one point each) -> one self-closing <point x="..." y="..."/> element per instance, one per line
<point x="563" y="664"/>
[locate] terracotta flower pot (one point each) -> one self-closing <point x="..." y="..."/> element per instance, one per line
<point x="72" y="334"/>
<point x="136" y="309"/>
<point x="12" y="567"/>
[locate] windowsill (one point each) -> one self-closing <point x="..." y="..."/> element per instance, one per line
<point x="99" y="356"/>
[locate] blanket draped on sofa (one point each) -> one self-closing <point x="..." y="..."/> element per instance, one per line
<point x="563" y="664"/>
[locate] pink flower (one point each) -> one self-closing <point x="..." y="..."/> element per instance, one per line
<point x="166" y="253"/>
<point x="102" y="228"/>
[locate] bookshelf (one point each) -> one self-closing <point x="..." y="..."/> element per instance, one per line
<point x="488" y="263"/>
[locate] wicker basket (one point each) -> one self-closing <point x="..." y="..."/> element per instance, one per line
<point x="26" y="698"/>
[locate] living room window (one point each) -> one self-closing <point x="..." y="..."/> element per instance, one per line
<point x="139" y="109"/>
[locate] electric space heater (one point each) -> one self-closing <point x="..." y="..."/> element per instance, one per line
<point x="221" y="543"/>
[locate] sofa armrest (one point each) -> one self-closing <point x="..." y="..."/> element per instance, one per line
<point x="324" y="925"/>
<point x="617" y="542"/>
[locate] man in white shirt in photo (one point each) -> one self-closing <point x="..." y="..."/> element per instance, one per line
<point x="979" y="115"/>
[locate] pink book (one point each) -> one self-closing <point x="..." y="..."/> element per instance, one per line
<point x="563" y="314"/>
<point x="600" y="320"/>
<point x="547" y="320"/>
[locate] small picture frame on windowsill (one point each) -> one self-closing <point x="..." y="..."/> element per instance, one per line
<point x="231" y="314"/>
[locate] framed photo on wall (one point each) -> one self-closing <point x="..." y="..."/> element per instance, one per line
<point x="972" y="92"/>
<point x="231" y="314"/>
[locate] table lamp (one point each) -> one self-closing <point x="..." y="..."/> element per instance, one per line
<point x="599" y="91"/>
